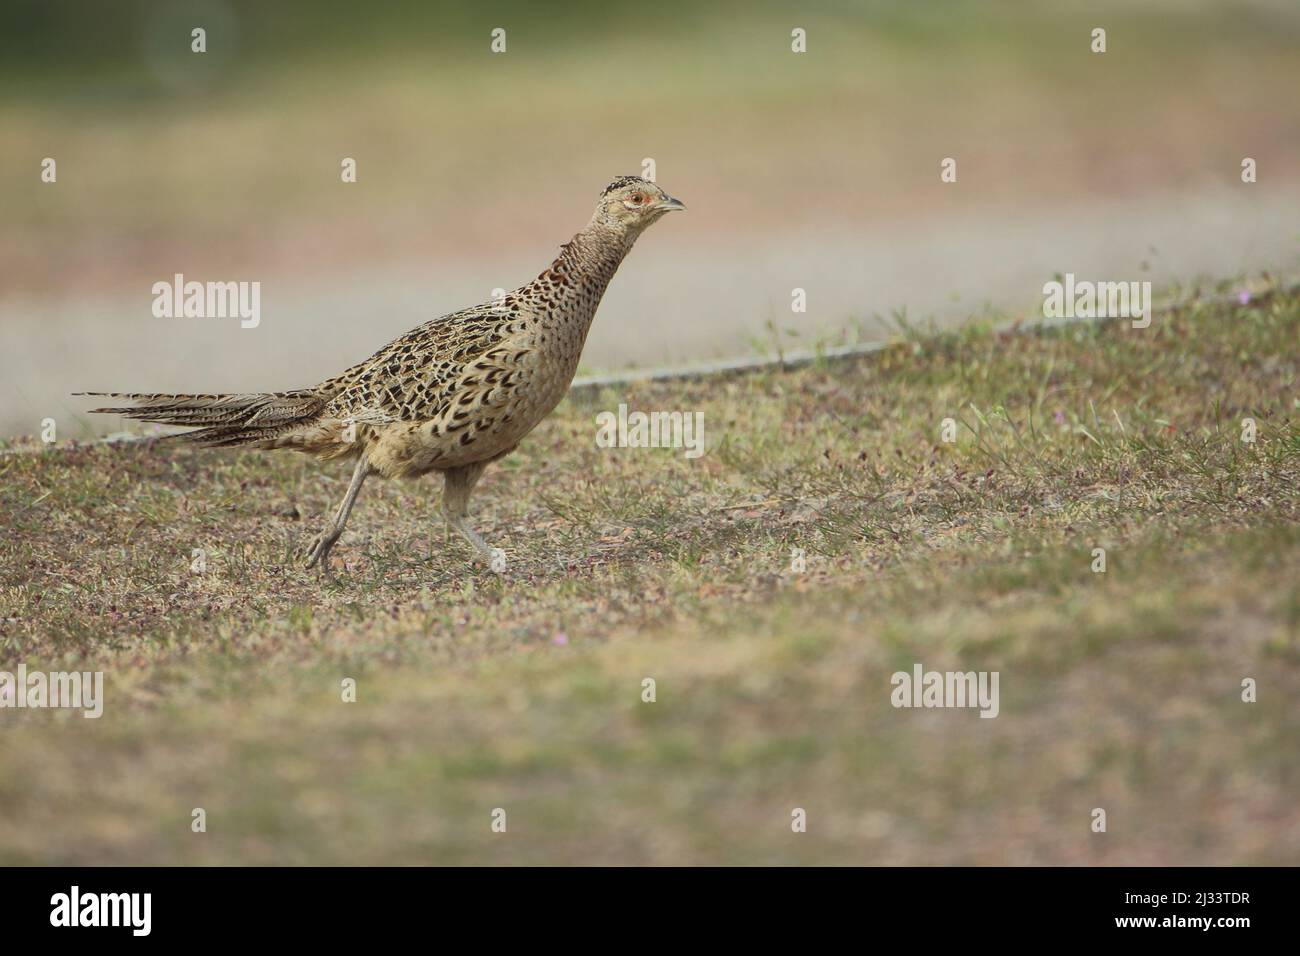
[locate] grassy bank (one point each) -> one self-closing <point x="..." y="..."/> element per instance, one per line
<point x="523" y="691"/>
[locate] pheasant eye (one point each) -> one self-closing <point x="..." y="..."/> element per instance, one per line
<point x="637" y="199"/>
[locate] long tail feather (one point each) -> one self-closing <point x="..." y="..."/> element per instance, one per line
<point x="233" y="419"/>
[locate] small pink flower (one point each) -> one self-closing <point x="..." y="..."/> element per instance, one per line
<point x="1059" y="417"/>
<point x="1243" y="297"/>
<point x="560" y="639"/>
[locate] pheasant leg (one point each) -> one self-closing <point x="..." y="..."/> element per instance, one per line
<point x="458" y="485"/>
<point x="319" y="553"/>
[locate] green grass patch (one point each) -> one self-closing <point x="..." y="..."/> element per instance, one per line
<point x="523" y="690"/>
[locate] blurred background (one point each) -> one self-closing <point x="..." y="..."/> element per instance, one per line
<point x="817" y="170"/>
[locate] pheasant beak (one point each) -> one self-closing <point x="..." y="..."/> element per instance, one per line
<point x="668" y="204"/>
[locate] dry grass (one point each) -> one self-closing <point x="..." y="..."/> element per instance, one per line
<point x="523" y="690"/>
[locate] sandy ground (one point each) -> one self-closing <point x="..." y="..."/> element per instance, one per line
<point x="681" y="297"/>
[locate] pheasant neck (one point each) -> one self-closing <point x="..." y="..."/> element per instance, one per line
<point x="594" y="254"/>
<point x="572" y="286"/>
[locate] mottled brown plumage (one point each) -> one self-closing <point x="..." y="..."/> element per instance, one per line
<point x="450" y="396"/>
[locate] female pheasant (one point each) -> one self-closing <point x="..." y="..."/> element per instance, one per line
<point x="450" y="396"/>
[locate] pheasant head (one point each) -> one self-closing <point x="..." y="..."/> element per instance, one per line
<point x="629" y="204"/>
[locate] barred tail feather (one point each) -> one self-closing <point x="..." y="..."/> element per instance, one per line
<point x="220" y="420"/>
